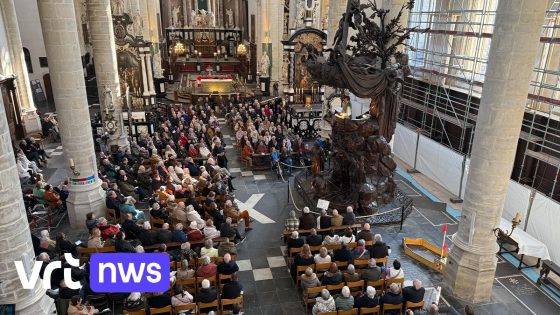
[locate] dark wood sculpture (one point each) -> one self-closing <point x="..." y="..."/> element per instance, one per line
<point x="362" y="174"/>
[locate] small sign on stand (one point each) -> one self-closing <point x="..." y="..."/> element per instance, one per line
<point x="323" y="204"/>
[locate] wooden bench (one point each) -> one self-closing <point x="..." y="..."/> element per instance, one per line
<point x="337" y="229"/>
<point x="547" y="267"/>
<point x="84" y="252"/>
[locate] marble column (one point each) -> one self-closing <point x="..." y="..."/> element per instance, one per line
<point x="58" y="22"/>
<point x="106" y="69"/>
<point x="31" y="119"/>
<point x="472" y="260"/>
<point x="15" y="237"/>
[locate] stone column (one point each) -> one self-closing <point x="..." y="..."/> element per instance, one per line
<point x="106" y="69"/>
<point x="32" y="121"/>
<point x="58" y="22"/>
<point x="472" y="259"/>
<point x="14" y="232"/>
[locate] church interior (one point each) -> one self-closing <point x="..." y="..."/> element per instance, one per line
<point x="287" y="156"/>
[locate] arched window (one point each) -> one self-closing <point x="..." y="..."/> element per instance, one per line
<point x="28" y="60"/>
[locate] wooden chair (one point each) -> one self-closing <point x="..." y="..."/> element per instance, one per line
<point x="379" y="286"/>
<point x="332" y="247"/>
<point x="188" y="284"/>
<point x="413" y="306"/>
<point x="156" y="223"/>
<point x="356" y="287"/>
<point x="353" y="311"/>
<point x="342" y="265"/>
<point x="163" y="310"/>
<point x="335" y="288"/>
<point x="328" y="313"/>
<point x="360" y="263"/>
<point x="226" y="302"/>
<point x="139" y="312"/>
<point x="307" y="300"/>
<point x="370" y="310"/>
<point x="398" y="281"/>
<point x="392" y="307"/>
<point x="300" y="270"/>
<point x="322" y="267"/>
<point x="382" y="260"/>
<point x="187" y="307"/>
<point x="201" y="305"/>
<point x="199" y="282"/>
<point x="173" y="265"/>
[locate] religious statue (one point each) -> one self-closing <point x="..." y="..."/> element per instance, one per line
<point x="138" y="24"/>
<point x="212" y="19"/>
<point x="193" y="18"/>
<point x="265" y="65"/>
<point x="176" y="21"/>
<point x="286" y="69"/>
<point x="158" y="71"/>
<point x="317" y="159"/>
<point x="229" y="13"/>
<point x="120" y="7"/>
<point x="108" y="99"/>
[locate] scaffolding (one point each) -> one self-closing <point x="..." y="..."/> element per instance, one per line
<point x="442" y="96"/>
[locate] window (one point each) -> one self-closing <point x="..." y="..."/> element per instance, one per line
<point x="27" y="56"/>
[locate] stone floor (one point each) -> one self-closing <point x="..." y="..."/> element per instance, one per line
<point x="264" y="275"/>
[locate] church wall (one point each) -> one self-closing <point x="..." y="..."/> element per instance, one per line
<point x="6" y="68"/>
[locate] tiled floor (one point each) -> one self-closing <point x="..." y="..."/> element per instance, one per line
<point x="267" y="285"/>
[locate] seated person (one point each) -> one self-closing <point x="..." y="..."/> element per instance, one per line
<point x="208" y="249"/>
<point x="164" y="235"/>
<point x="122" y="245"/>
<point x="134" y="302"/>
<point x="181" y="297"/>
<point x="396" y="271"/>
<point x="349" y="216"/>
<point x="379" y="249"/>
<point x="368" y="299"/>
<point x="344" y="301"/>
<point x="208" y="269"/>
<point x="303" y="258"/>
<point x="348" y="237"/>
<point x="206" y="294"/>
<point x="294" y="241"/>
<point x="188" y="253"/>
<point x="365" y="233"/>
<point x="331" y="239"/>
<point x="247" y="154"/>
<point x="232" y="289"/>
<point x="307" y="220"/>
<point x="52" y="198"/>
<point x="193" y="233"/>
<point x="292" y="222"/>
<point x="113" y="202"/>
<point x="309" y="280"/>
<point x="342" y="254"/>
<point x="336" y="219"/>
<point x="392" y="296"/>
<point x="147" y="236"/>
<point x="226" y="230"/>
<point x="178" y="234"/>
<point x="228" y="266"/>
<point x="95" y="240"/>
<point x="130" y="227"/>
<point x="159" y="300"/>
<point x="76" y="307"/>
<point x="313" y="239"/>
<point x="210" y="231"/>
<point x="231" y="211"/>
<point x="414" y="293"/>
<point x="128" y="207"/>
<point x="324" y="220"/>
<point x="226" y="247"/>
<point x="324" y="303"/>
<point x="262" y="148"/>
<point x="158" y="212"/>
<point x="350" y="274"/>
<point x="360" y="252"/>
<point x="372" y="272"/>
<point x="107" y="228"/>
<point x="333" y="276"/>
<point x="185" y="272"/>
<point x="323" y="256"/>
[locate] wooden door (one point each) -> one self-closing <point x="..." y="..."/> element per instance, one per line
<point x="48" y="91"/>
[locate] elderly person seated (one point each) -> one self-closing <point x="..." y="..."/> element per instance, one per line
<point x="227" y="230"/>
<point x="336" y="219"/>
<point x="324" y="303"/>
<point x="164" y="235"/>
<point x="324" y="221"/>
<point x="379" y="249"/>
<point x="368" y="299"/>
<point x="307" y="220"/>
<point x="226" y="247"/>
<point x="107" y="228"/>
<point x="179" y="213"/>
<point x="350" y="274"/>
<point x="313" y="239"/>
<point x="294" y="241"/>
<point x="309" y="280"/>
<point x="208" y="269"/>
<point x="333" y="276"/>
<point x="193" y="233"/>
<point x="178" y="234"/>
<point x="395" y="272"/>
<point x="247" y="154"/>
<point x="128" y="207"/>
<point x="414" y="293"/>
<point x="331" y="239"/>
<point x="208" y="249"/>
<point x="181" y="296"/>
<point x="206" y="295"/>
<point x="210" y="231"/>
<point x="348" y="237"/>
<point x="292" y="223"/>
<point x="171" y="202"/>
<point x="185" y="272"/>
<point x="344" y="301"/>
<point x="194" y="216"/>
<point x="323" y="256"/>
<point x="94" y="240"/>
<point x="122" y="245"/>
<point x="372" y="272"/>
<point x="187" y="252"/>
<point x="360" y="251"/>
<point x="52" y="198"/>
<point x="158" y="212"/>
<point x="147" y="236"/>
<point x="232" y="289"/>
<point x="342" y="254"/>
<point x="349" y="216"/>
<point x="228" y="266"/>
<point x="77" y="308"/>
<point x="365" y="233"/>
<point x="231" y="211"/>
<point x="392" y="296"/>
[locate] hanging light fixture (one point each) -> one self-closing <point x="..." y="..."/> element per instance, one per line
<point x="179" y="49"/>
<point x="241" y="50"/>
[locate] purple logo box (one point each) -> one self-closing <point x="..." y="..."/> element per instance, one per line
<point x="111" y="273"/>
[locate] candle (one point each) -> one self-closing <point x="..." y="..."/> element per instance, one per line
<point x="517" y="217"/>
<point x="71" y="161"/>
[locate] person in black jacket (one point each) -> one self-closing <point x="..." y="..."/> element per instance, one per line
<point x="65" y="246"/>
<point x="157" y="212"/>
<point x="147" y="236"/>
<point x="122" y="245"/>
<point x="414" y="293"/>
<point x="294" y="241"/>
<point x="159" y="300"/>
<point x="393" y="296"/>
<point x="130" y="228"/>
<point x="324" y="220"/>
<point x="226" y="230"/>
<point x="343" y="254"/>
<point x="368" y="299"/>
<point x="307" y="220"/>
<point x="349" y="216"/>
<point x="379" y="249"/>
<point x="206" y="295"/>
<point x="227" y="267"/>
<point x="313" y="239"/>
<point x="232" y="289"/>
<point x="164" y="235"/>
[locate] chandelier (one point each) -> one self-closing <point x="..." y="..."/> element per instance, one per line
<point x="242" y="50"/>
<point x="179" y="49"/>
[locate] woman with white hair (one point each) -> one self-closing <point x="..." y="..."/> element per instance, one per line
<point x="368" y="299"/>
<point x="208" y="249"/>
<point x="207" y="294"/>
<point x="208" y="268"/>
<point x="309" y="280"/>
<point x="323" y="256"/>
<point x="185" y="272"/>
<point x="194" y="216"/>
<point x="173" y="175"/>
<point x="379" y="249"/>
<point x="344" y="301"/>
<point x="193" y="233"/>
<point x="324" y="303"/>
<point x="135" y="302"/>
<point x="210" y="231"/>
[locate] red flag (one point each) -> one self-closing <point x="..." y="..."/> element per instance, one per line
<point x="444" y="229"/>
<point x="445" y="248"/>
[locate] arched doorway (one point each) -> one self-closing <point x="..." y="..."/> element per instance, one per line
<point x="48" y="91"/>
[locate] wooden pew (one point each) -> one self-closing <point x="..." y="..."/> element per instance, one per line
<point x="337" y="229"/>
